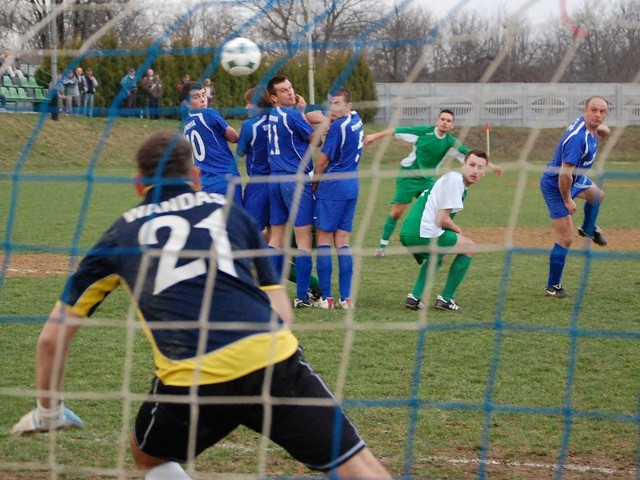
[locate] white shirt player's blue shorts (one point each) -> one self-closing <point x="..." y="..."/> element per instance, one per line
<point x="551" y="194"/>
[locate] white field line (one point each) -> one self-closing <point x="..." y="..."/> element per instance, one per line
<point x="515" y="464"/>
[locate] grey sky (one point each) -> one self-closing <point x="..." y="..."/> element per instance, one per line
<point x="537" y="11"/>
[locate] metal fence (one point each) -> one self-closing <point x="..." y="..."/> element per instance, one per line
<point x="531" y="105"/>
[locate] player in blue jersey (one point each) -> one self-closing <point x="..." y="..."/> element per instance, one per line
<point x="336" y="198"/>
<point x="252" y="143"/>
<point x="209" y="135"/>
<point x="564" y="179"/>
<point x="183" y="302"/>
<point x="290" y="136"/>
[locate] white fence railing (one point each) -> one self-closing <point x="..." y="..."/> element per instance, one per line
<point x="532" y="105"/>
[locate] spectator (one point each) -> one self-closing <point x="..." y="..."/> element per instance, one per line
<point x="57" y="98"/>
<point x="71" y="92"/>
<point x="209" y="91"/>
<point x="81" y="89"/>
<point x="185" y="79"/>
<point x="90" y="85"/>
<point x="129" y="86"/>
<point x="152" y="85"/>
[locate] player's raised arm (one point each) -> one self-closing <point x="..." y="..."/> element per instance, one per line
<point x="372" y="137"/>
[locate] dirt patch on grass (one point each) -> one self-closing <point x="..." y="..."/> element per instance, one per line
<point x="531" y="237"/>
<point x="526" y="237"/>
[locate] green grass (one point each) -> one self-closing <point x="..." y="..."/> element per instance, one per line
<point x="533" y="336"/>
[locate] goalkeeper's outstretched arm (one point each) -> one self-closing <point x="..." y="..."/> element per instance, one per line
<point x="51" y="356"/>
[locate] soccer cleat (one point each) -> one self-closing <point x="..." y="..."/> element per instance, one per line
<point x="325" y="303"/>
<point x="597" y="237"/>
<point x="556" y="291"/>
<point x="298" y="303"/>
<point x="346" y="304"/>
<point x="413" y="303"/>
<point x="314" y="295"/>
<point x="379" y="253"/>
<point x="451" y="305"/>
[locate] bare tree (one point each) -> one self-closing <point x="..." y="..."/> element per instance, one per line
<point x="400" y="43"/>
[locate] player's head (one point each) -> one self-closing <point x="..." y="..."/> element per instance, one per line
<point x="595" y="111"/>
<point x="194" y="95"/>
<point x="164" y="154"/>
<point x="256" y="101"/>
<point x="445" y="121"/>
<point x="281" y="91"/>
<point x="475" y="162"/>
<point x="340" y="104"/>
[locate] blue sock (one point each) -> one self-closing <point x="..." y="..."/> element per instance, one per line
<point x="590" y="214"/>
<point x="556" y="264"/>
<point x="304" y="265"/>
<point x="278" y="261"/>
<point x="325" y="269"/>
<point x="345" y="264"/>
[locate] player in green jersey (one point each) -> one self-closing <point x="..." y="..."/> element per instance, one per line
<point x="431" y="220"/>
<point x="431" y="145"/>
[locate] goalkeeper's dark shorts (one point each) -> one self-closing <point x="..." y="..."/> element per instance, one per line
<point x="305" y="418"/>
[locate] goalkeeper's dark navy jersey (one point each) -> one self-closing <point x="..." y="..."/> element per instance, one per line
<point x="161" y="251"/>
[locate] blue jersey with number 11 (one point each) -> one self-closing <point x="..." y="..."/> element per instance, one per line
<point x="343" y="146"/>
<point x="289" y="135"/>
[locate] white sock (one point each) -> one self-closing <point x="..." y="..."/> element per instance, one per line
<point x="167" y="471"/>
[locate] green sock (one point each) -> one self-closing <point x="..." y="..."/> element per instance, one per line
<point x="457" y="272"/>
<point x="387" y="230"/>
<point x="421" y="280"/>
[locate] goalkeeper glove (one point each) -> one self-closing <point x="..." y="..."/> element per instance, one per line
<point x="42" y="419"/>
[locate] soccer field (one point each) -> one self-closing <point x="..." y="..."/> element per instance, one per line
<point x="513" y="387"/>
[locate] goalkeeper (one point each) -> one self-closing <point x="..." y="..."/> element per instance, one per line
<point x="199" y="368"/>
<point x="431" y="146"/>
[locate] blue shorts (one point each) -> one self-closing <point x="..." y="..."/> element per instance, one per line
<point x="281" y="200"/>
<point x="256" y="202"/>
<point x="551" y="195"/>
<point x="217" y="184"/>
<point x="332" y="215"/>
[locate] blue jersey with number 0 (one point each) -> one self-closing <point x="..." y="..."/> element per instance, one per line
<point x="289" y="135"/>
<point x="205" y="130"/>
<point x="577" y="147"/>
<point x="253" y="143"/>
<point x="343" y="146"/>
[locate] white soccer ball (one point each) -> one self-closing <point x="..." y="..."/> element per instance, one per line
<point x="240" y="56"/>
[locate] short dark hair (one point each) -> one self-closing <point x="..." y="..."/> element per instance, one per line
<point x="478" y="153"/>
<point x="187" y="87"/>
<point x="168" y="151"/>
<point x="343" y="92"/>
<point x="271" y="89"/>
<point x="447" y="110"/>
